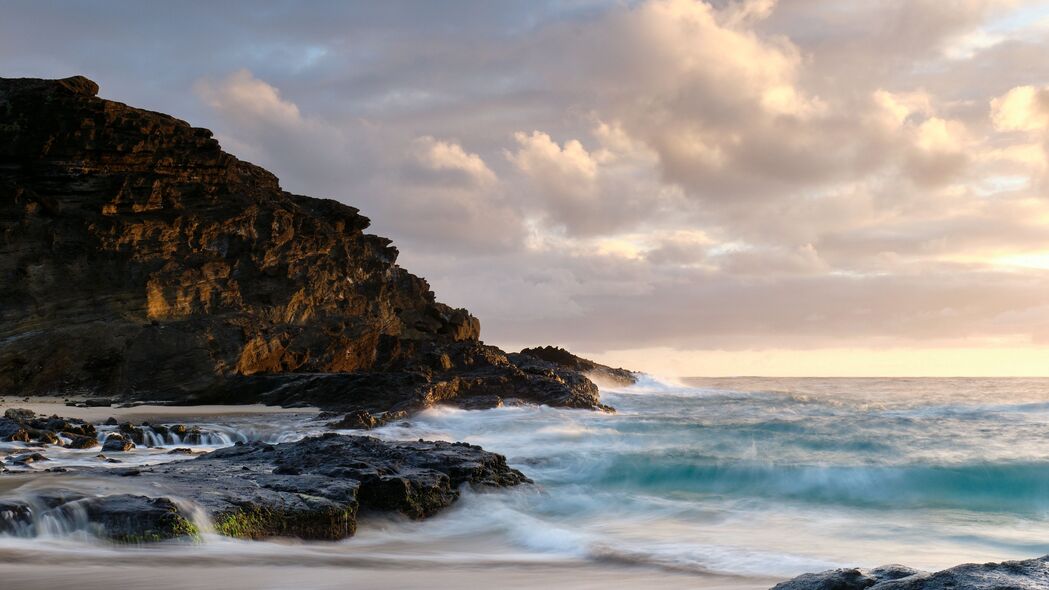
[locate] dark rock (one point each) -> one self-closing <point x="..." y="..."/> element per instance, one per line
<point x="180" y="451"/>
<point x="27" y="458"/>
<point x="1007" y="575"/>
<point x="193" y="436"/>
<point x="124" y="518"/>
<point x="98" y="403"/>
<point x="19" y="414"/>
<point x="595" y="371"/>
<point x="314" y="488"/>
<point x="59" y="424"/>
<point x="13" y="431"/>
<point x="81" y="442"/>
<point x="360" y="419"/>
<point x="117" y="443"/>
<point x="43" y="436"/>
<point x="138" y="519"/>
<point x="143" y="262"/>
<point x="15" y="516"/>
<point x="111" y="421"/>
<point x="131" y="432"/>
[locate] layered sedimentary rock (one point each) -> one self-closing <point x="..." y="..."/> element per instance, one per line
<point x="139" y="260"/>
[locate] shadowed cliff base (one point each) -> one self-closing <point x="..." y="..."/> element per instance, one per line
<point x="140" y="261"/>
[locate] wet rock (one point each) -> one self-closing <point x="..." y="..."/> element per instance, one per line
<point x="15" y="516"/>
<point x="595" y="371"/>
<point x="180" y="451"/>
<point x="482" y="402"/>
<point x="81" y="442"/>
<point x="19" y="414"/>
<point x="132" y="433"/>
<point x="98" y="402"/>
<point x="123" y="518"/>
<point x="58" y="424"/>
<point x="360" y="419"/>
<point x="314" y="488"/>
<point x="117" y="443"/>
<point x="12" y="430"/>
<point x="43" y="436"/>
<point x="111" y="421"/>
<point x="192" y="436"/>
<point x="27" y="458"/>
<point x="138" y="519"/>
<point x="208" y="282"/>
<point x="1013" y="575"/>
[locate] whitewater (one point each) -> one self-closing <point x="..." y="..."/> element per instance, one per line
<point x="702" y="483"/>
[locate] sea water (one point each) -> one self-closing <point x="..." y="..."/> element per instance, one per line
<point x="759" y="479"/>
<point x="770" y="476"/>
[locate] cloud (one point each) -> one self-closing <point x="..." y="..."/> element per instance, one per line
<point x="732" y="174"/>
<point x="1024" y="108"/>
<point x="248" y="100"/>
<point x="449" y="161"/>
<point x="567" y="172"/>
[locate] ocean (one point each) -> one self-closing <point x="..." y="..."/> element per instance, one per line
<point x="775" y="477"/>
<point x="733" y="482"/>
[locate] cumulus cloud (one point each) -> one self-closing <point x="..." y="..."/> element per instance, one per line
<point x="450" y="162"/>
<point x="1024" y="108"/>
<point x="248" y="100"/>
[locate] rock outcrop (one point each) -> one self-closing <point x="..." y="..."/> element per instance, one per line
<point x="1016" y="575"/>
<point x="25" y="426"/>
<point x="139" y="260"/>
<point x="311" y="489"/>
<point x="595" y="371"/>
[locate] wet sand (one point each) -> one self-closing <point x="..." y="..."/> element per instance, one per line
<point x="404" y="576"/>
<point x="158" y="413"/>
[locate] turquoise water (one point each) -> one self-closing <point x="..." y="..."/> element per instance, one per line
<point x="769" y="476"/>
<point x="758" y="478"/>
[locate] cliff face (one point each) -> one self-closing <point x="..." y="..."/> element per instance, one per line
<point x="138" y="259"/>
<point x="618" y="377"/>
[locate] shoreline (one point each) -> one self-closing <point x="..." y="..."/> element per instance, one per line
<point x="48" y="406"/>
<point x="404" y="573"/>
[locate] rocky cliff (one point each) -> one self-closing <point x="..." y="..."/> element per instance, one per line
<point x="139" y="260"/>
<point x="614" y="376"/>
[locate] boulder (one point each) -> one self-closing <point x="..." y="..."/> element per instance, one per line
<point x="117" y="443"/>
<point x="19" y="414"/>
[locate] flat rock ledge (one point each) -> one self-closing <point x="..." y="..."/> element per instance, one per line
<point x="1028" y="574"/>
<point x="311" y="489"/>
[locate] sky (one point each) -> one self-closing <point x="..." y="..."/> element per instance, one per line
<point x="736" y="187"/>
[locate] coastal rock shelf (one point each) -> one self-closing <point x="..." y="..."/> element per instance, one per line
<point x="601" y="373"/>
<point x="140" y="261"/>
<point x="1029" y="574"/>
<point x="311" y="489"/>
